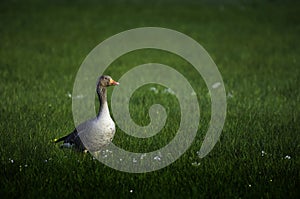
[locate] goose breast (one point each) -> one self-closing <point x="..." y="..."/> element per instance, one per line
<point x="96" y="133"/>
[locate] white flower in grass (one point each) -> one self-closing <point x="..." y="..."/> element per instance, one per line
<point x="287" y="157"/>
<point x="134" y="160"/>
<point x="153" y="89"/>
<point x="193" y="93"/>
<point x="229" y="95"/>
<point x="46" y="160"/>
<point x="11" y="160"/>
<point x="216" y="85"/>
<point x="198" y="153"/>
<point x="69" y="95"/>
<point x="263" y="153"/>
<point x="143" y="155"/>
<point x="157" y="158"/>
<point x="170" y="91"/>
<point x="20" y="168"/>
<point x="196" y="164"/>
<point x="131" y="190"/>
<point x="25" y="165"/>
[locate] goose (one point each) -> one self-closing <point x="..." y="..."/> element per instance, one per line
<point x="94" y="134"/>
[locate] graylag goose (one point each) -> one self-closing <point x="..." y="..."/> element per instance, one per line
<point x="95" y="133"/>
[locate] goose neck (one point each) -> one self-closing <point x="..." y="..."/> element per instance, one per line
<point x="102" y="95"/>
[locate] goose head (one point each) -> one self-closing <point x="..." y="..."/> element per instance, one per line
<point x="105" y="81"/>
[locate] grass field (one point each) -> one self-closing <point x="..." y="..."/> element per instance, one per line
<point x="255" y="46"/>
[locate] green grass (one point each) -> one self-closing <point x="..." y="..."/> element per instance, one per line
<point x="256" y="48"/>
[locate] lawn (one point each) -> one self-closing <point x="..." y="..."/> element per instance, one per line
<point x="255" y="46"/>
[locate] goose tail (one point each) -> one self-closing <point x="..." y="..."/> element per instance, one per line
<point x="56" y="140"/>
<point x="71" y="140"/>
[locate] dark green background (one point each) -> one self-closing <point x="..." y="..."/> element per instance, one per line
<point x="255" y="45"/>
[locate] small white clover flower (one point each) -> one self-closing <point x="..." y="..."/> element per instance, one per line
<point x="153" y="89"/>
<point x="69" y="95"/>
<point x="143" y="155"/>
<point x="216" y="85"/>
<point x="229" y="95"/>
<point x="157" y="158"/>
<point x="170" y="91"/>
<point x="193" y="93"/>
<point x="196" y="164"/>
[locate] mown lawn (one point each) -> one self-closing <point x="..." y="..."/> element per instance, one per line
<point x="255" y="46"/>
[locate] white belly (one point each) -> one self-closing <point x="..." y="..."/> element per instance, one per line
<point x="95" y="134"/>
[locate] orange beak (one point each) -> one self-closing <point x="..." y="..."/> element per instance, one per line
<point x="113" y="82"/>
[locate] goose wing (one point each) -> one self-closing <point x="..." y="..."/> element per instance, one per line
<point x="71" y="140"/>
